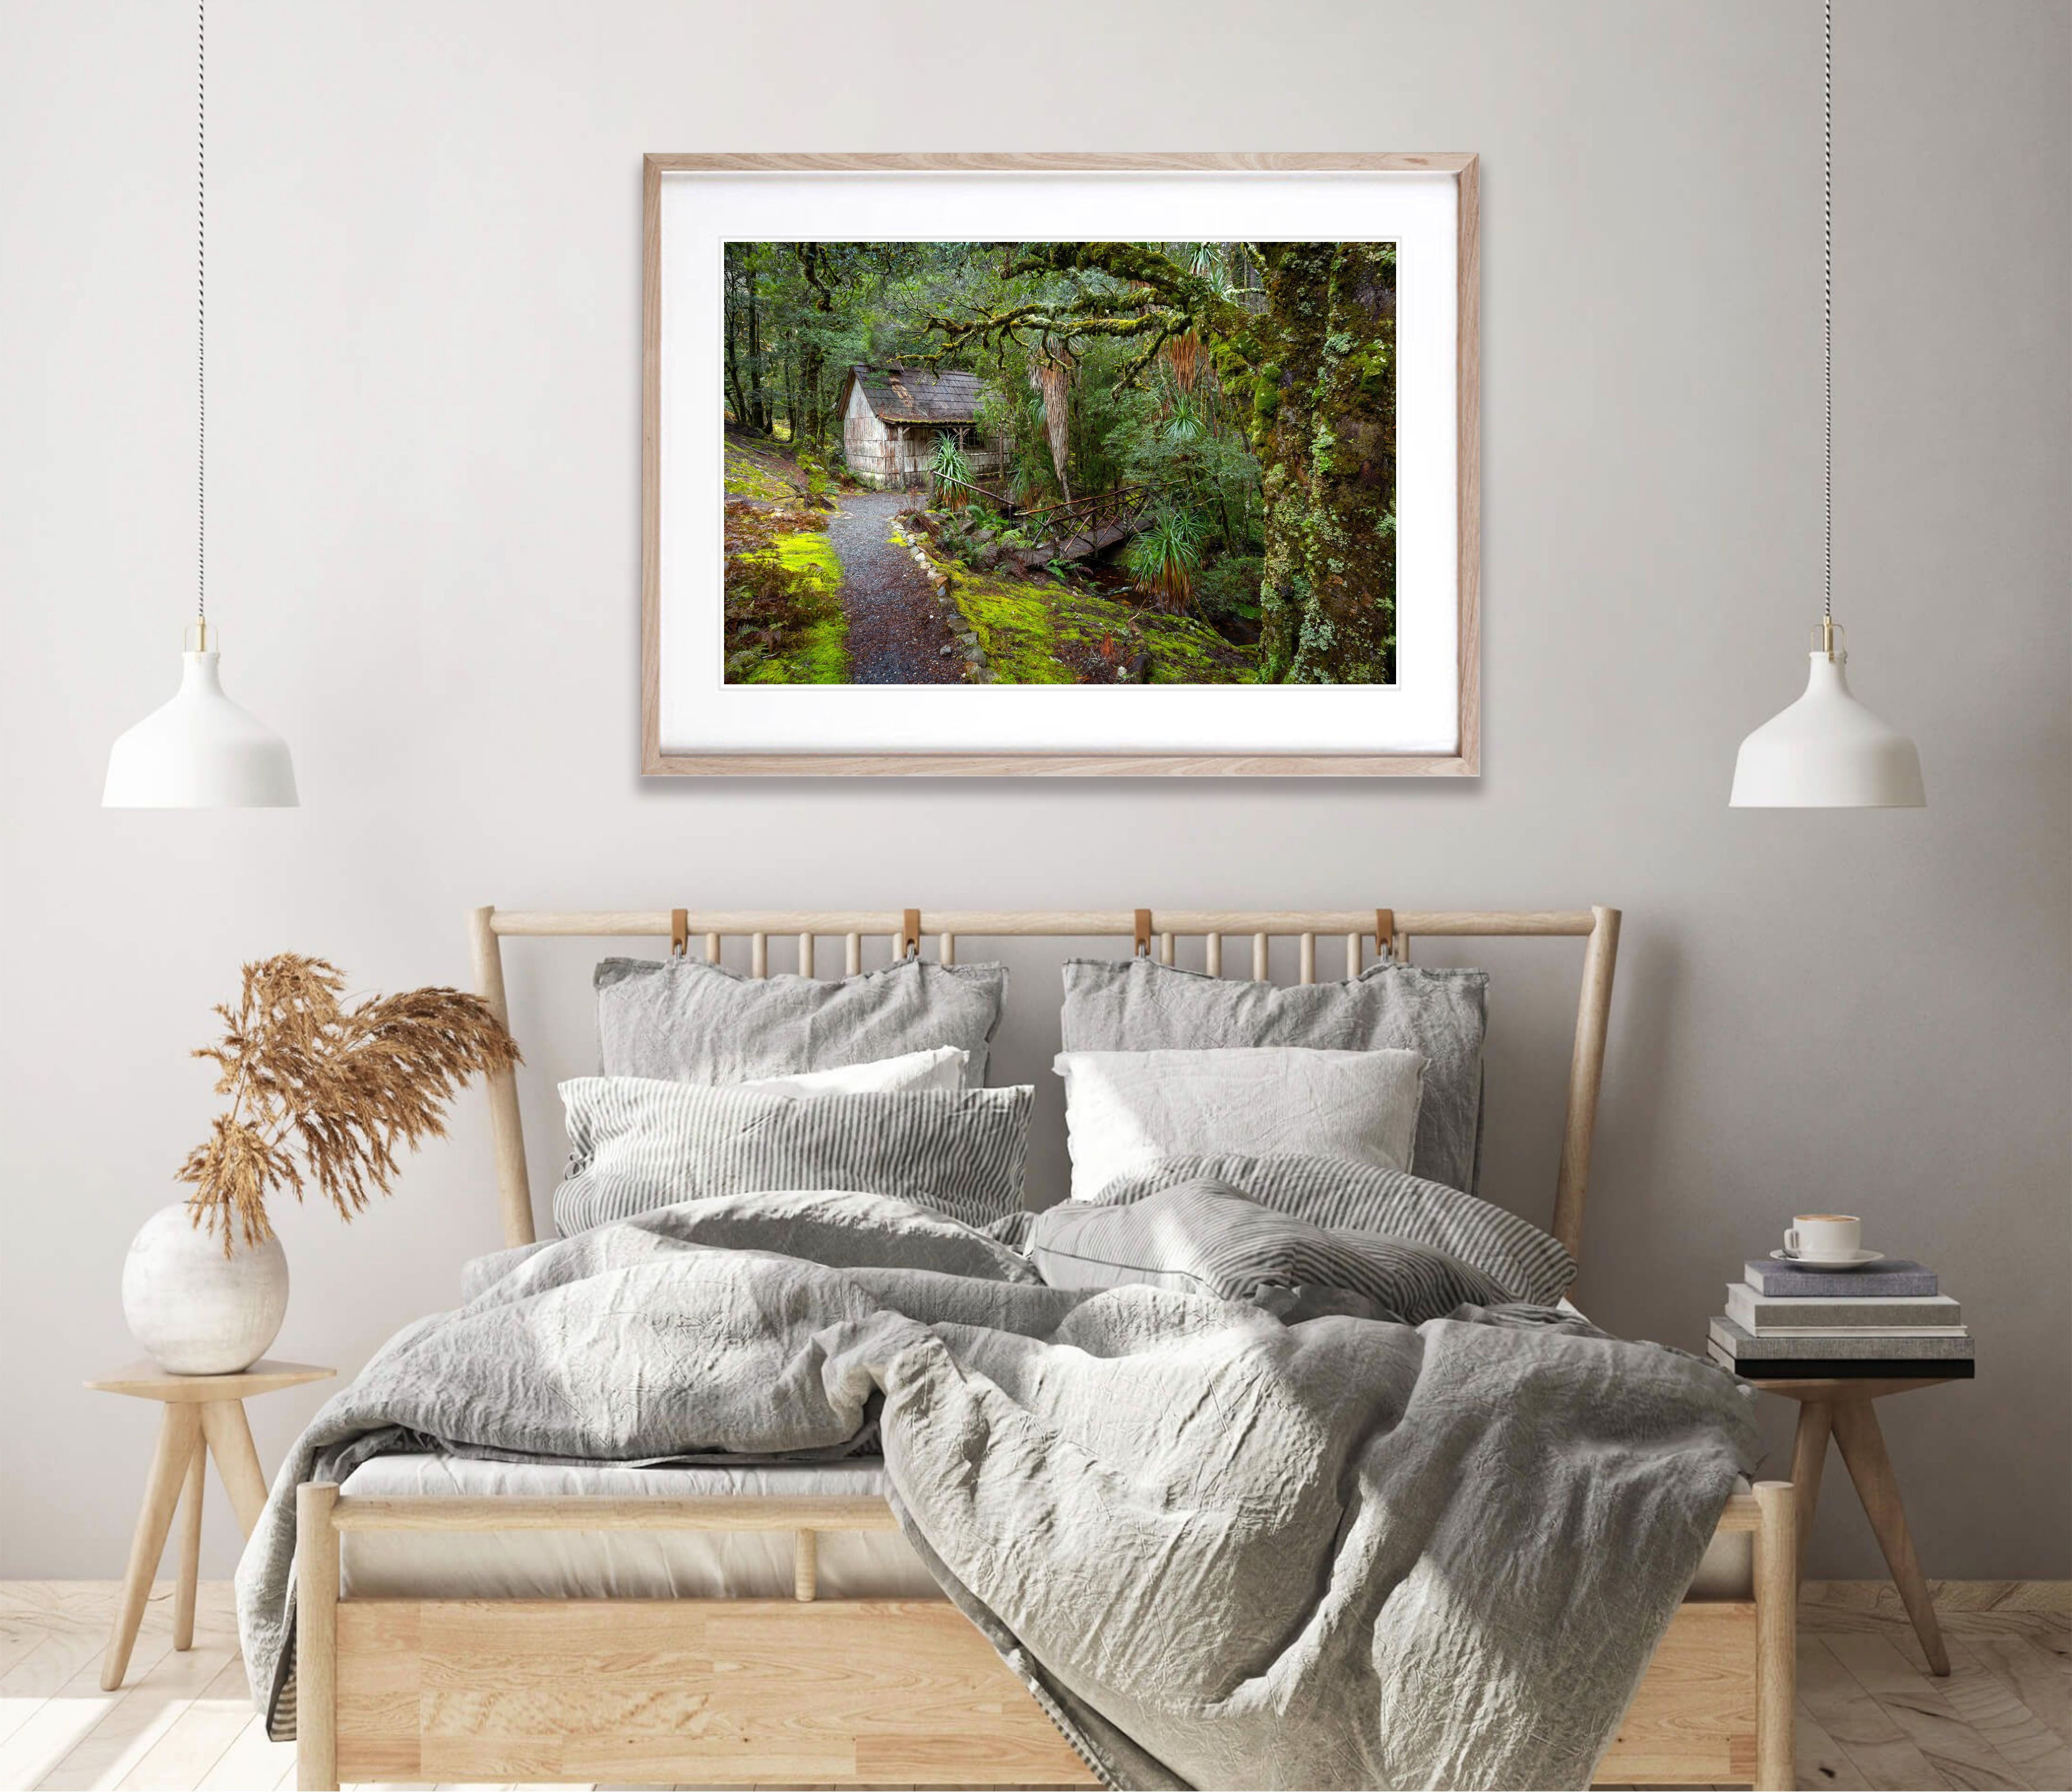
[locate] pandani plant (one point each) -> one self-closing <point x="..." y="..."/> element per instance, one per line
<point x="323" y="1092"/>
<point x="953" y="464"/>
<point x="1164" y="556"/>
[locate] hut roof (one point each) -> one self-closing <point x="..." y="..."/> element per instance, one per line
<point x="914" y="395"/>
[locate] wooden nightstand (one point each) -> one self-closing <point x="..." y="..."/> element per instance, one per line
<point x="1845" y="1409"/>
<point x="204" y="1416"/>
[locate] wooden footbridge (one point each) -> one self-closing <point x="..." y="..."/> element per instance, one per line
<point x="1069" y="531"/>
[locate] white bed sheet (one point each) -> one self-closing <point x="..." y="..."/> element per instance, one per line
<point x="619" y="1564"/>
<point x="697" y="1565"/>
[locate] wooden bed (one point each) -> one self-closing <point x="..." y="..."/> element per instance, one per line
<point x="884" y="1693"/>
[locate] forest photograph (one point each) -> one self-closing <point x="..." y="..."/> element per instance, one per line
<point x="1059" y="463"/>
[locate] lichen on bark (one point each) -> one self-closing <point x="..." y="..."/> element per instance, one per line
<point x="1327" y="457"/>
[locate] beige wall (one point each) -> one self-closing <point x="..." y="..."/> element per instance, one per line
<point x="424" y="478"/>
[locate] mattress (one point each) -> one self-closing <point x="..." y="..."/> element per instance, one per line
<point x="619" y="1564"/>
<point x="697" y="1565"/>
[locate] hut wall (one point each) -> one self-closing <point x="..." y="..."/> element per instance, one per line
<point x="866" y="445"/>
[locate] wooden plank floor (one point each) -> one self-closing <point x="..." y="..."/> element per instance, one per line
<point x="1870" y="1713"/>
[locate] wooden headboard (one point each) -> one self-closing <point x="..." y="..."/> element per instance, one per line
<point x="1387" y="929"/>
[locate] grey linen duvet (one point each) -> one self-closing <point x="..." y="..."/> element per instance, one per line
<point x="1222" y="1550"/>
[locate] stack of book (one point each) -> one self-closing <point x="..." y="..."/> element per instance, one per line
<point x="1890" y="1318"/>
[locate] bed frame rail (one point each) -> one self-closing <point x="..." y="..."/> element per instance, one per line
<point x="654" y="1692"/>
<point x="844" y="1692"/>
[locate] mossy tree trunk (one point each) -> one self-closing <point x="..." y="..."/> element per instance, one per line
<point x="1324" y="427"/>
<point x="1319" y="363"/>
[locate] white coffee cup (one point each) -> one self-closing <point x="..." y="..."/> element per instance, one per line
<point x="1826" y="1237"/>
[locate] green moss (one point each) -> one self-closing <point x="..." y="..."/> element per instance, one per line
<point x="1024" y="625"/>
<point x="1373" y="370"/>
<point x="1186" y="651"/>
<point x="1266" y="393"/>
<point x="818" y="481"/>
<point x="813" y="555"/>
<point x="817" y="654"/>
<point x="748" y="477"/>
<point x="1016" y="627"/>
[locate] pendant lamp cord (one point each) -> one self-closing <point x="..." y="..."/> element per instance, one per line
<point x="201" y="314"/>
<point x="1827" y="308"/>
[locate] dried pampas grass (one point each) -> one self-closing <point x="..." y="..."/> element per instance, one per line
<point x="324" y="1093"/>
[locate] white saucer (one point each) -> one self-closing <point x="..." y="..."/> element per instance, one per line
<point x="1858" y="1261"/>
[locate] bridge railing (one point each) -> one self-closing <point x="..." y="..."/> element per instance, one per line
<point x="962" y="492"/>
<point x="1126" y="504"/>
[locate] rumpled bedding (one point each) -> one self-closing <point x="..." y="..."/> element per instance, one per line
<point x="1221" y="1550"/>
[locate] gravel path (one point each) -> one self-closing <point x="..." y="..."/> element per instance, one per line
<point x="896" y="627"/>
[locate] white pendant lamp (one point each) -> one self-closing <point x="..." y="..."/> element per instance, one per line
<point x="200" y="751"/>
<point x="1828" y="751"/>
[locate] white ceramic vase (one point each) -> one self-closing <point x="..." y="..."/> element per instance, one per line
<point x="196" y="1311"/>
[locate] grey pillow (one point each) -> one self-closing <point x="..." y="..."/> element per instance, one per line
<point x="1138" y="1005"/>
<point x="1206" y="1236"/>
<point x="636" y="1143"/>
<point x="687" y="1021"/>
<point x="1527" y="1263"/>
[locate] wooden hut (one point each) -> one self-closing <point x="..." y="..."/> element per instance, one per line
<point x="892" y="415"/>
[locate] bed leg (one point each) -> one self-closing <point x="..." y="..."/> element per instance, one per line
<point x="1776" y="1636"/>
<point x="805" y="1564"/>
<point x="316" y="1638"/>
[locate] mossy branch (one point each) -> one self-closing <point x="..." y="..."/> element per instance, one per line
<point x="1155" y="297"/>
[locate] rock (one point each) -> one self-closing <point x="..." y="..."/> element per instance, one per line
<point x="945" y="651"/>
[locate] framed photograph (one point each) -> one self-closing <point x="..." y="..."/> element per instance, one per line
<point x="1066" y="465"/>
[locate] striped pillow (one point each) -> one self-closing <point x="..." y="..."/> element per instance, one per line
<point x="675" y="1018"/>
<point x="1526" y="1261"/>
<point x="1441" y="1015"/>
<point x="636" y="1145"/>
<point x="1204" y="1236"/>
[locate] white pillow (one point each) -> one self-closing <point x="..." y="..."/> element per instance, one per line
<point x="1125" y="1109"/>
<point x="942" y="1068"/>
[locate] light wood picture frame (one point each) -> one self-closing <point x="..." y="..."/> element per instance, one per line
<point x="1426" y="723"/>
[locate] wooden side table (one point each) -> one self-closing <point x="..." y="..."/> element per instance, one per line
<point x="204" y="1416"/>
<point x="1845" y="1409"/>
